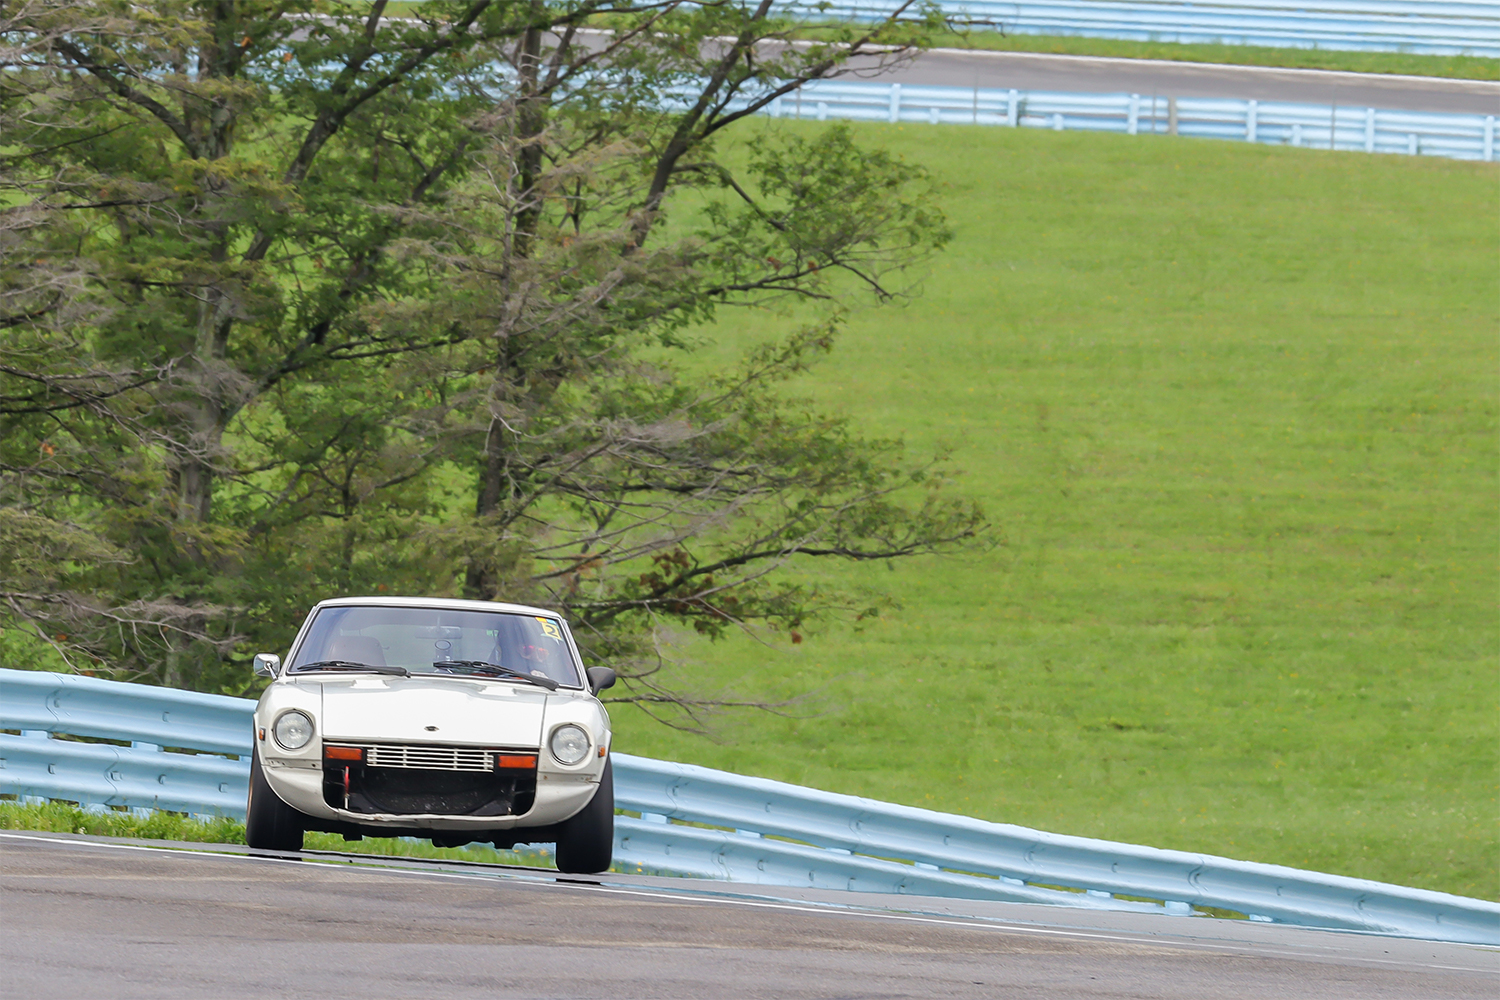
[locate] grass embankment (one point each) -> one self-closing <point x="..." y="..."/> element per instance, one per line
<point x="1233" y="412"/>
<point x="1400" y="63"/>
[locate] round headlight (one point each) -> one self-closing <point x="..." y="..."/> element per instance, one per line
<point x="569" y="744"/>
<point x="293" y="730"/>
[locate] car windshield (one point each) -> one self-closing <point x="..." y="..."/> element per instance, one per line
<point x="437" y="641"/>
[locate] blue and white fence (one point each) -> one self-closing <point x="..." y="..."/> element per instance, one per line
<point x="1429" y="27"/>
<point x="189" y="752"/>
<point x="1281" y="123"/>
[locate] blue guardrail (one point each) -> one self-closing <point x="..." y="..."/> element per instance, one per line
<point x="189" y="752"/>
<point x="1424" y="27"/>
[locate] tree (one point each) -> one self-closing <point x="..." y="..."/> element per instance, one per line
<point x="302" y="299"/>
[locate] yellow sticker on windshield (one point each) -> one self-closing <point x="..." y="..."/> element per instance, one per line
<point x="549" y="629"/>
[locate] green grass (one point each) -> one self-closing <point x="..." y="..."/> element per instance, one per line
<point x="62" y="817"/>
<point x="1233" y="411"/>
<point x="1403" y="63"/>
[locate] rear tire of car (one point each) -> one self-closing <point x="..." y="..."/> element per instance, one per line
<point x="586" y="842"/>
<point x="270" y="824"/>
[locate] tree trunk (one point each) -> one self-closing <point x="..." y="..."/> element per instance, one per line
<point x="482" y="578"/>
<point x="209" y="411"/>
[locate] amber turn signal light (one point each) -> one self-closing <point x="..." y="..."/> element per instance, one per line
<point x="343" y="753"/>
<point x="515" y="760"/>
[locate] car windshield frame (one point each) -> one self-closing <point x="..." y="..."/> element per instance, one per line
<point x="419" y="639"/>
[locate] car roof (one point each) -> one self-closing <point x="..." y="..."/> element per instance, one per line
<point x="440" y="603"/>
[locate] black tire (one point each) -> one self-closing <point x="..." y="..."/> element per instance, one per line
<point x="270" y="824"/>
<point x="586" y="842"/>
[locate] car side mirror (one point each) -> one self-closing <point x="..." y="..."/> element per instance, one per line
<point x="267" y="665"/>
<point x="601" y="678"/>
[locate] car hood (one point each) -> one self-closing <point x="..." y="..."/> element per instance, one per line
<point x="433" y="710"/>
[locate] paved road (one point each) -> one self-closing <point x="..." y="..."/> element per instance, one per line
<point x="1093" y="75"/>
<point x="91" y="917"/>
<point x="1028" y="71"/>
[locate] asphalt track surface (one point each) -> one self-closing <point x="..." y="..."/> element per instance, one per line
<point x="1087" y="74"/>
<point x="1159" y="78"/>
<point x="98" y="917"/>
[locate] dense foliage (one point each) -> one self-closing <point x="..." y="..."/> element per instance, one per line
<point x="298" y="299"/>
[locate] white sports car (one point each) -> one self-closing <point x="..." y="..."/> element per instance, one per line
<point x="455" y="721"/>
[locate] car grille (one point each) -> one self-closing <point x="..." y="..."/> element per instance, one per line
<point x="412" y="779"/>
<point x="430" y="758"/>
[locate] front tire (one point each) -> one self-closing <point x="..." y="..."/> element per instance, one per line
<point x="270" y="824"/>
<point x="586" y="842"/>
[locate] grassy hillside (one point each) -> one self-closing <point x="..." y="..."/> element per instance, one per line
<point x="1233" y="411"/>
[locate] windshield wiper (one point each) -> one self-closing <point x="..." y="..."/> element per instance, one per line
<point x="481" y="667"/>
<point x="350" y="665"/>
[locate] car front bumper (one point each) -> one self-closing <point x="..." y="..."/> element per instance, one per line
<point x="559" y="795"/>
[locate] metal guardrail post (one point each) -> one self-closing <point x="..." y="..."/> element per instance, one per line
<point x="895" y="103"/>
<point x="1250" y="122"/>
<point x="1489" y="139"/>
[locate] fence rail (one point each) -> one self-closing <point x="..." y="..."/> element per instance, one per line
<point x="189" y="752"/>
<point x="1427" y="27"/>
<point x="1284" y="123"/>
